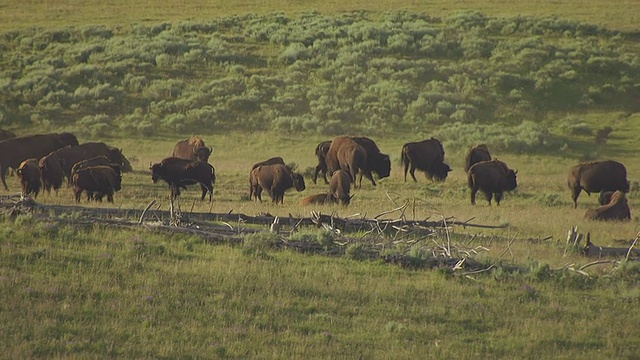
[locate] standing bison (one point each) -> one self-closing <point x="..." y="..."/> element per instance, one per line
<point x="357" y="155"/>
<point x="616" y="210"/>
<point x="29" y="174"/>
<point x="253" y="182"/>
<point x="475" y="155"/>
<point x="179" y="173"/>
<point x="97" y="181"/>
<point x="597" y="176"/>
<point x="427" y="156"/>
<point x="321" y="153"/>
<point x="192" y="149"/>
<point x="492" y="178"/>
<point x="275" y="180"/>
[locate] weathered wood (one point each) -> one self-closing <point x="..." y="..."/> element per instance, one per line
<point x="593" y="250"/>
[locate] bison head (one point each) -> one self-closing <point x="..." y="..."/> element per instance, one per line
<point x="298" y="181"/>
<point x="382" y="166"/>
<point x="511" y="182"/>
<point x="439" y="171"/>
<point x="202" y="153"/>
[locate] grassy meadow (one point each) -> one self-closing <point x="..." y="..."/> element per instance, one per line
<point x="116" y="72"/>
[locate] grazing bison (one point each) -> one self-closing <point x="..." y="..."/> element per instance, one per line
<point x="253" y="182"/>
<point x="317" y="199"/>
<point x="29" y="174"/>
<point x="96" y="161"/>
<point x="68" y="156"/>
<point x="179" y="173"/>
<point x="97" y="181"/>
<point x="427" y="156"/>
<point x="475" y="155"/>
<point x="192" y="149"/>
<point x="340" y="186"/>
<point x="616" y="210"/>
<point x="321" y="154"/>
<point x="597" y="176"/>
<point x="492" y="178"/>
<point x="275" y="180"/>
<point x="346" y="154"/>
<point x="377" y="162"/>
<point x="14" y="151"/>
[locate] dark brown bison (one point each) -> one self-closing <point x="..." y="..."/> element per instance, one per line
<point x="492" y="178"/>
<point x="605" y="197"/>
<point x="29" y="174"/>
<point x="340" y="187"/>
<point x="475" y="155"/>
<point x="6" y="134"/>
<point x="427" y="156"/>
<point x="318" y="199"/>
<point x="179" y="173"/>
<point x="97" y="181"/>
<point x="616" y="210"/>
<point x="346" y="154"/>
<point x="96" y="161"/>
<point x="597" y="176"/>
<point x="67" y="157"/>
<point x="253" y="182"/>
<point x="192" y="149"/>
<point x="275" y="180"/>
<point x="377" y="162"/>
<point x="14" y="151"/>
<point x="321" y="154"/>
<point x="68" y="139"/>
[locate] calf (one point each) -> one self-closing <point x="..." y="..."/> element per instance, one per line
<point x="318" y="199"/>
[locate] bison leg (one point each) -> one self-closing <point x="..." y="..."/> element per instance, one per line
<point x="406" y="168"/>
<point x="575" y="192"/>
<point x="258" y="193"/>
<point x="3" y="174"/>
<point x="489" y="196"/>
<point x="474" y="191"/>
<point x="320" y="168"/>
<point x="498" y="198"/>
<point x="412" y="172"/>
<point x="77" y="192"/>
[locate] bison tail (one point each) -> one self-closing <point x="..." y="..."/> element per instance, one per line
<point x="403" y="156"/>
<point x="471" y="178"/>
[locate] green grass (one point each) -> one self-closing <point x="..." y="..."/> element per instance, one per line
<point x="104" y="293"/>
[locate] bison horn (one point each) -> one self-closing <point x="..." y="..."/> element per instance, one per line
<point x="515" y="172"/>
<point x="150" y="164"/>
<point x="210" y="150"/>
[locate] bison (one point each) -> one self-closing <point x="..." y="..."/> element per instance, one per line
<point x="15" y="150"/>
<point x="179" y="173"/>
<point x="346" y="154"/>
<point x="340" y="186"/>
<point x="192" y="149"/>
<point x="492" y="178"/>
<point x="29" y="174"/>
<point x="96" y="161"/>
<point x="475" y="155"/>
<point x="317" y="199"/>
<point x="597" y="176"/>
<point x="97" y="181"/>
<point x="253" y="182"/>
<point x="427" y="156"/>
<point x="275" y="180"/>
<point x="616" y="210"/>
<point x="377" y="162"/>
<point x="68" y="156"/>
<point x="321" y="154"/>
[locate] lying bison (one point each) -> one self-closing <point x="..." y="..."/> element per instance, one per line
<point x="616" y="210"/>
<point x="597" y="176"/>
<point x="427" y="156"/>
<point x="317" y="199"/>
<point x="275" y="180"/>
<point x="475" y="155"/>
<point x="492" y="178"/>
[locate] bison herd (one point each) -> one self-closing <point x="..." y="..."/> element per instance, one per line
<point x="45" y="161"/>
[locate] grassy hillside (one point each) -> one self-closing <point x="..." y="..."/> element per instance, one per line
<point x="262" y="79"/>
